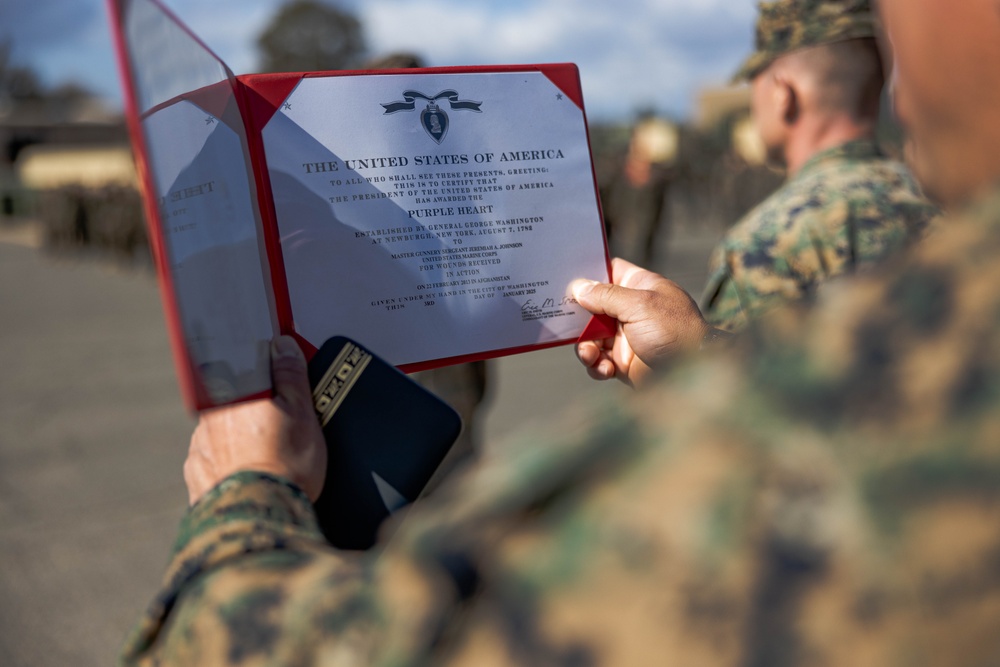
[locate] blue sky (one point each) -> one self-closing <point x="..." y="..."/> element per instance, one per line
<point x="631" y="53"/>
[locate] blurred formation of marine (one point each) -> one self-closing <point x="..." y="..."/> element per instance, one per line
<point x="816" y="80"/>
<point x="825" y="492"/>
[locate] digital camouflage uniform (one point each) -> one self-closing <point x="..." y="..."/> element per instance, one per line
<point x="847" y="207"/>
<point x="827" y="492"/>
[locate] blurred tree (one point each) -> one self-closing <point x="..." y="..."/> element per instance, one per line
<point x="307" y="35"/>
<point x="16" y="82"/>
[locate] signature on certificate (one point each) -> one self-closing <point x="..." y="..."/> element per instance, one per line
<point x="529" y="307"/>
<point x="540" y="309"/>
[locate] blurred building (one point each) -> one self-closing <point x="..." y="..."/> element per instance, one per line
<point x="52" y="166"/>
<point x="59" y="140"/>
<point x="66" y="163"/>
<point x="714" y="105"/>
<point x="728" y="108"/>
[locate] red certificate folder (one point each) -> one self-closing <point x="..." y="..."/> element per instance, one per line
<point x="435" y="215"/>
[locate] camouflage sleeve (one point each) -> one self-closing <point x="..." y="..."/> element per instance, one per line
<point x="720" y="302"/>
<point x="767" y="258"/>
<point x="770" y="258"/>
<point x="249" y="564"/>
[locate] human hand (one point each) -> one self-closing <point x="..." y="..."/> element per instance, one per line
<point x="657" y="320"/>
<point x="279" y="435"/>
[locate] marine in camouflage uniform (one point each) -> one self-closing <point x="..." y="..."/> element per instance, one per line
<point x="833" y="498"/>
<point x="848" y="206"/>
<point x="827" y="492"/>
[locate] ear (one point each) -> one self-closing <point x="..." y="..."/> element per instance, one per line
<point x="787" y="100"/>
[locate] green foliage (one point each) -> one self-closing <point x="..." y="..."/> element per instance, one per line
<point x="308" y="35"/>
<point x="16" y="82"/>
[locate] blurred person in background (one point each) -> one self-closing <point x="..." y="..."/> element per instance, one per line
<point x="635" y="200"/>
<point x="816" y="81"/>
<point x="825" y="491"/>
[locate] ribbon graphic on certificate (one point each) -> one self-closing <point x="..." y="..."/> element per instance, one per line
<point x="433" y="119"/>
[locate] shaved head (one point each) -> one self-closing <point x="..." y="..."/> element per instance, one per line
<point x="842" y="77"/>
<point x="817" y="97"/>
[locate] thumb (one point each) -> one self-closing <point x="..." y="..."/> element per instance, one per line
<point x="604" y="299"/>
<point x="288" y="372"/>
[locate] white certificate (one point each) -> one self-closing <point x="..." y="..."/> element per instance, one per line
<point x="434" y="215"/>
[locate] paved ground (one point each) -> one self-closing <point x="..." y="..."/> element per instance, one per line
<point x="93" y="434"/>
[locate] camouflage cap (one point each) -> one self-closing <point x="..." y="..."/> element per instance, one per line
<point x="787" y="25"/>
